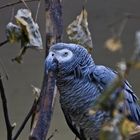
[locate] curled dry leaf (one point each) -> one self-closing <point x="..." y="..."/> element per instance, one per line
<point x="13" y="32"/>
<point x="113" y="44"/>
<point x="14" y="125"/>
<point x="30" y="31"/>
<point x="79" y="33"/>
<point x="122" y="68"/>
<point x="27" y="31"/>
<point x="118" y="128"/>
<point x="92" y="112"/>
<point x="127" y="127"/>
<point x="36" y="91"/>
<point x="110" y="131"/>
<point x="137" y="65"/>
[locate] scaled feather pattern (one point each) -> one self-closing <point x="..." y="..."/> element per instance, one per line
<point x="81" y="83"/>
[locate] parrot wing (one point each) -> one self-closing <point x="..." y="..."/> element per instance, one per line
<point x="104" y="76"/>
<point x="76" y="130"/>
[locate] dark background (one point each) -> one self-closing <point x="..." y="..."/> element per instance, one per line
<point x="21" y="76"/>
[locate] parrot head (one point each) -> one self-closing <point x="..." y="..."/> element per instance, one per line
<point x="64" y="58"/>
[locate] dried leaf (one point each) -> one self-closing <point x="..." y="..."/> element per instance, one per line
<point x="137" y="65"/>
<point x="127" y="127"/>
<point x="13" y="32"/>
<point x="110" y="131"/>
<point x="36" y="91"/>
<point x="122" y="68"/>
<point x="113" y="44"/>
<point x="27" y="32"/>
<point x="92" y="112"/>
<point x="14" y="125"/>
<point x="79" y="33"/>
<point x="18" y="59"/>
<point x="30" y="31"/>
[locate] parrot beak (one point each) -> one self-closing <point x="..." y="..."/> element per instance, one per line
<point x="50" y="63"/>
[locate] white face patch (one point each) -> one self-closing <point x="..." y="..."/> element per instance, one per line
<point x="63" y="55"/>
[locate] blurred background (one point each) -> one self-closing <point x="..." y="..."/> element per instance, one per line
<point x="30" y="72"/>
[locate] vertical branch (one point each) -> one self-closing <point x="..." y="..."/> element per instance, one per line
<point x="30" y="113"/>
<point x="9" y="127"/>
<point x="44" y="110"/>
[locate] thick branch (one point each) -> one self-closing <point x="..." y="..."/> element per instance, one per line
<point x="44" y="111"/>
<point x="5" y="110"/>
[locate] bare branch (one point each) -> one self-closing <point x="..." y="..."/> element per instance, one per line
<point x="15" y="3"/>
<point x="24" y="2"/>
<point x="52" y="135"/>
<point x="26" y="119"/>
<point x="125" y="16"/>
<point x="135" y="135"/>
<point x="9" y="127"/>
<point x="38" y="7"/>
<point x="54" y="28"/>
<point x="76" y="138"/>
<point x="4" y="69"/>
<point x="123" y="21"/>
<point x="3" y="43"/>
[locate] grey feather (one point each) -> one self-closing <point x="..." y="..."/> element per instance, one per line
<point x="80" y="83"/>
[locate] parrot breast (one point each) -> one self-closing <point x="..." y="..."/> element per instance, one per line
<point x="77" y="96"/>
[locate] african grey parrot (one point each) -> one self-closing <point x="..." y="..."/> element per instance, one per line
<point x="80" y="83"/>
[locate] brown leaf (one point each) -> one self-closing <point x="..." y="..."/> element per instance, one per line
<point x="36" y="91"/>
<point x="79" y="33"/>
<point x="13" y="32"/>
<point x="113" y="44"/>
<point x="30" y="31"/>
<point x="127" y="127"/>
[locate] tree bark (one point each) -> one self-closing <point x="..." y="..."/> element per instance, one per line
<point x="43" y="113"/>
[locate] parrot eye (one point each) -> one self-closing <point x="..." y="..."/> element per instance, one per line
<point x="65" y="54"/>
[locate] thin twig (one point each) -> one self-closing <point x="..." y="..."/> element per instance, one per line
<point x="125" y="16"/>
<point x="132" y="16"/>
<point x="15" y="3"/>
<point x="52" y="135"/>
<point x="23" y="1"/>
<point x="114" y="22"/>
<point x="9" y="127"/>
<point x="12" y="15"/>
<point x="123" y="21"/>
<point x="26" y="120"/>
<point x="4" y="69"/>
<point x="3" y="43"/>
<point x="122" y="27"/>
<point x="38" y="7"/>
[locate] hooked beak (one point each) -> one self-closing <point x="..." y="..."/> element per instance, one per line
<point x="50" y="63"/>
